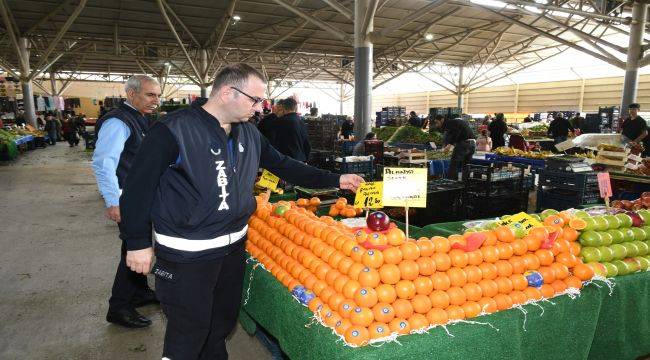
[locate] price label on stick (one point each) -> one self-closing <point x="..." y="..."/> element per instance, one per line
<point x="604" y="185"/>
<point x="522" y="220"/>
<point x="369" y="196"/>
<point x="405" y="187"/>
<point x="268" y="180"/>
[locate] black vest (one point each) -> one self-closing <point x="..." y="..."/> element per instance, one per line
<point x="138" y="124"/>
<point x="208" y="192"/>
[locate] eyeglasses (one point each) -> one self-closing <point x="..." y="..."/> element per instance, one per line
<point x="256" y="100"/>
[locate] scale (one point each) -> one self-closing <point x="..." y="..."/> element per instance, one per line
<point x="568" y="163"/>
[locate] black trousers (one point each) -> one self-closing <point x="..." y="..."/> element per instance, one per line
<point x="461" y="156"/>
<point x="126" y="285"/>
<point x="201" y="301"/>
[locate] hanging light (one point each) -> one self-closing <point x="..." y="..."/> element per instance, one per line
<point x="428" y="37"/>
<point x="236" y="17"/>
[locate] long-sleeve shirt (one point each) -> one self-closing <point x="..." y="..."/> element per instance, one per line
<point x="456" y="131"/>
<point x="160" y="150"/>
<point x="290" y="137"/>
<point x="560" y="127"/>
<point x="108" y="148"/>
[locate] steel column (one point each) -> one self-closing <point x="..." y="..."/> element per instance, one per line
<point x="634" y="53"/>
<point x="459" y="91"/>
<point x="203" y="65"/>
<point x="362" y="70"/>
<point x="26" y="82"/>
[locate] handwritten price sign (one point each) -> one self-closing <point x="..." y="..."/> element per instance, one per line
<point x="405" y="185"/>
<point x="268" y="180"/>
<point x="369" y="196"/>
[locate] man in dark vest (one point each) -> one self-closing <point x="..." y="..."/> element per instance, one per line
<point x="193" y="178"/>
<point x="119" y="135"/>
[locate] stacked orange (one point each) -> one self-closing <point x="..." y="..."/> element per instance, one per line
<point x="309" y="204"/>
<point x="342" y="208"/>
<point x="367" y="294"/>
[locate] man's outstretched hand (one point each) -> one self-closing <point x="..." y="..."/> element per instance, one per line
<point x="350" y="182"/>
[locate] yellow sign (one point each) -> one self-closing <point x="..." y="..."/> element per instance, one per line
<point x="369" y="196"/>
<point x="268" y="180"/>
<point x="522" y="219"/>
<point x="405" y="186"/>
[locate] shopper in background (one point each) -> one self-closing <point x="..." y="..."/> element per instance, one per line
<point x="119" y="136"/>
<point x="456" y="133"/>
<point x="635" y="128"/>
<point x="194" y="177"/>
<point x="577" y="122"/>
<point x="52" y="128"/>
<point x="559" y="129"/>
<point x="290" y="132"/>
<point x="69" y="129"/>
<point x="20" y="118"/>
<point x="414" y="120"/>
<point x="265" y="126"/>
<point x="528" y="119"/>
<point x="484" y="143"/>
<point x="498" y="129"/>
<point x="347" y="129"/>
<point x="360" y="148"/>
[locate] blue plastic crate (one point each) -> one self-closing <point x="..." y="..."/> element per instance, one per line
<point x="438" y="167"/>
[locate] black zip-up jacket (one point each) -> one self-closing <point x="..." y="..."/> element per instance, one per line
<point x="290" y="137"/>
<point x="194" y="182"/>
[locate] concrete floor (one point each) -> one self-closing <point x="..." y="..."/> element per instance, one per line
<point x="58" y="255"/>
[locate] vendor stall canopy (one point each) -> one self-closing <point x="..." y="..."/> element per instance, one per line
<point x="295" y="40"/>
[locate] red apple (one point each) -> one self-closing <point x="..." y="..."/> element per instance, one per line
<point x="617" y="204"/>
<point x="645" y="194"/>
<point x="627" y="204"/>
<point x="378" y="221"/>
<point x="636" y="219"/>
<point x="646" y="202"/>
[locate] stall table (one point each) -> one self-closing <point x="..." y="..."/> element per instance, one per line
<point x="598" y="324"/>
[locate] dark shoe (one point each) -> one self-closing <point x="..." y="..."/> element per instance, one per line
<point x="128" y="318"/>
<point x="145" y="298"/>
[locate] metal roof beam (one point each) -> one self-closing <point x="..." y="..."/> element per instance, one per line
<point x="7" y="67"/>
<point x="13" y="35"/>
<point x="336" y="32"/>
<point x="377" y="35"/>
<point x="369" y="16"/>
<point x="280" y="40"/>
<point x="47" y="17"/>
<point x="58" y="37"/>
<point x="558" y="39"/>
<point x="340" y="8"/>
<point x="181" y="23"/>
<point x="583" y="35"/>
<point x="163" y="12"/>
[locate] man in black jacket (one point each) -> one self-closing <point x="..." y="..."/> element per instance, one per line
<point x="458" y="134"/>
<point x="193" y="178"/>
<point x="559" y="129"/>
<point x="290" y="133"/>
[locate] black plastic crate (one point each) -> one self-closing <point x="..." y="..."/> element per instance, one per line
<point x="494" y="179"/>
<point x="568" y="180"/>
<point x="321" y="159"/>
<point x="363" y="168"/>
<point x="562" y="199"/>
<point x="374" y="148"/>
<point x="483" y="207"/>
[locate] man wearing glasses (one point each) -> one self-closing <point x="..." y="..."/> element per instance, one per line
<point x="119" y="135"/>
<point x="193" y="178"/>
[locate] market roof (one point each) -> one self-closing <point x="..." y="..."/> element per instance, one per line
<point x="304" y="39"/>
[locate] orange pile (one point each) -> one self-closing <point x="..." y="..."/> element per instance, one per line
<point x="341" y="208"/>
<point x="309" y="204"/>
<point x="369" y="294"/>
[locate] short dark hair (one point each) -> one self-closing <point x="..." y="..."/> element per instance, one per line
<point x="370" y="136"/>
<point x="235" y="75"/>
<point x="634" y="106"/>
<point x="290" y="104"/>
<point x="439" y="117"/>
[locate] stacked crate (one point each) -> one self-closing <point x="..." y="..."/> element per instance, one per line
<point x="495" y="189"/>
<point x="561" y="190"/>
<point x="323" y="133"/>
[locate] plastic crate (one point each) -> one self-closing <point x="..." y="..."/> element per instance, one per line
<point x="364" y="168"/>
<point x="536" y="163"/>
<point x="568" y="180"/>
<point x="484" y="207"/>
<point x="321" y="159"/>
<point x="493" y="180"/>
<point x="345" y="147"/>
<point x="374" y="148"/>
<point x="560" y="199"/>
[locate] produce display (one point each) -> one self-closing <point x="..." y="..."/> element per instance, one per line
<point x="618" y="242"/>
<point x="371" y="284"/>
<point x="508" y="151"/>
<point x="413" y="135"/>
<point x="537" y="131"/>
<point x="341" y="208"/>
<point x="384" y="133"/>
